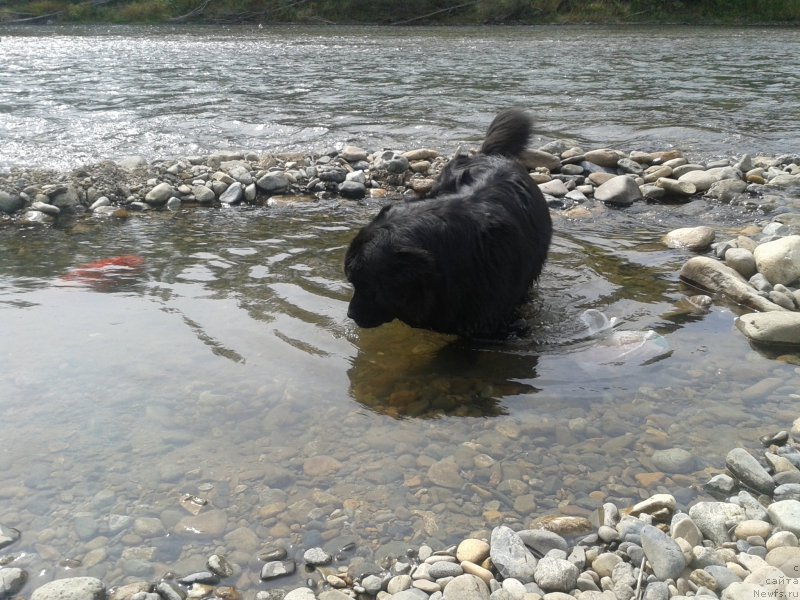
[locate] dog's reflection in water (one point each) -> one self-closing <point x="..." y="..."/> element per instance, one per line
<point x="405" y="372"/>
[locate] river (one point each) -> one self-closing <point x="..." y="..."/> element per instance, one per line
<point x="225" y="367"/>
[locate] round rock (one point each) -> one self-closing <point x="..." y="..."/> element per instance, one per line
<point x="472" y="550"/>
<point x="779" y="260"/>
<point x="691" y="238"/>
<point x="556" y="575"/>
<point x="673" y="460"/>
<point x="466" y="587"/>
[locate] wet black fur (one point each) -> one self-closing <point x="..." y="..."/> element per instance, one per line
<point x="461" y="260"/>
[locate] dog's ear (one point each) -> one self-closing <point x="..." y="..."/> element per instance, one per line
<point x="410" y="260"/>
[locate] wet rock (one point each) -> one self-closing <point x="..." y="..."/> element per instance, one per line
<point x="620" y="190"/>
<point x="674" y="187"/>
<point x="673" y="460"/>
<point x="10" y="203"/>
<point x="8" y="535"/>
<point x="779" y="260"/>
<point x="210" y="524"/>
<point x="715" y="276"/>
<point x="510" y="556"/>
<point x="234" y="194"/>
<point x="316" y="557"/>
<point x="148" y="527"/>
<point x="749" y="471"/>
<point x="781" y="328"/>
<point x="352" y="190"/>
<point x="277" y="568"/>
<point x="303" y="593"/>
<point x="11" y="581"/>
<point x="662" y="552"/>
<point x="48" y="209"/>
<point x="73" y="588"/>
<point x="201" y="577"/>
<point x="446" y="473"/>
<point x="219" y="565"/>
<point x="66" y="197"/>
<point x="727" y="189"/>
<point x="691" y="238"/>
<point x="127" y="591"/>
<point x="321" y="466"/>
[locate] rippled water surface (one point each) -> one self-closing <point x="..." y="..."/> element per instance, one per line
<point x="223" y="366"/>
<point x="73" y="95"/>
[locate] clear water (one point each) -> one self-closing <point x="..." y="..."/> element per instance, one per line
<point x="225" y="366"/>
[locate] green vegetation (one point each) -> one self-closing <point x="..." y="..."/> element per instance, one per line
<point x="408" y="12"/>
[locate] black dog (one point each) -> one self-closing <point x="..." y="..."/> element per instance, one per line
<point x="461" y="260"/>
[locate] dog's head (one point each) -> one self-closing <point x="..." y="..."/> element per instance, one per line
<point x="391" y="278"/>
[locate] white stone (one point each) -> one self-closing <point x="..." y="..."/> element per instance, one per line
<point x="779" y="260"/>
<point x="775" y="327"/>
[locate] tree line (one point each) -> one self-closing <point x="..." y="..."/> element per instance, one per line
<point x="407" y="12"/>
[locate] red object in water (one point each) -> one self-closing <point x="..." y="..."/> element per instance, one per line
<point x="100" y="269"/>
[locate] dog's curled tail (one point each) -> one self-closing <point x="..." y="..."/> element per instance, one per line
<point x="508" y="133"/>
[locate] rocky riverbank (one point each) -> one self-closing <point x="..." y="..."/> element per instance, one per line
<point x="743" y="545"/>
<point x="758" y="269"/>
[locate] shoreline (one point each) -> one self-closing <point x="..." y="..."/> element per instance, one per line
<point x="741" y="543"/>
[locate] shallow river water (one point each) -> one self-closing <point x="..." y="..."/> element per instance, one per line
<point x="224" y="366"/>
